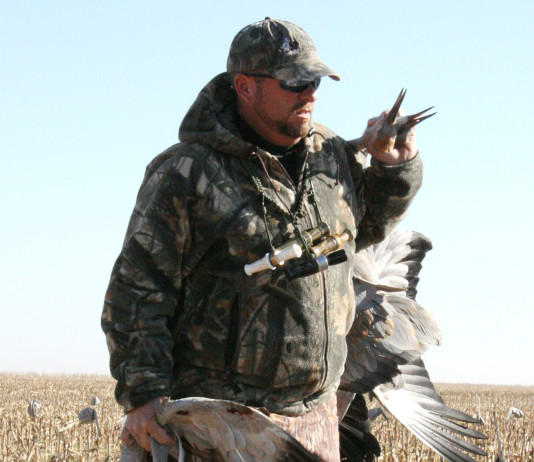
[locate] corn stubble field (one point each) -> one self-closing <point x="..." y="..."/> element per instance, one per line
<point x="56" y="434"/>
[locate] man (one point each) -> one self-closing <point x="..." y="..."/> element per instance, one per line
<point x="251" y="174"/>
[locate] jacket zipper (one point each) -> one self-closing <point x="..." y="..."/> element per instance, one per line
<point x="309" y="220"/>
<point x="326" y="330"/>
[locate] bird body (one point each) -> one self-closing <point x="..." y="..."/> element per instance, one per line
<point x="229" y="430"/>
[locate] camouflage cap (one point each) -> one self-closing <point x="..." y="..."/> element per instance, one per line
<point x="280" y="48"/>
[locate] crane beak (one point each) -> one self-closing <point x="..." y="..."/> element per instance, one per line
<point x="407" y="121"/>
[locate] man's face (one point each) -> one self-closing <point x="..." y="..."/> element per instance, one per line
<point x="284" y="116"/>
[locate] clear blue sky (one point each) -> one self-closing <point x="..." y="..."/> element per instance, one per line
<point x="91" y="91"/>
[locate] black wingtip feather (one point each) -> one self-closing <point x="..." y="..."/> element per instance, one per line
<point x="356" y="442"/>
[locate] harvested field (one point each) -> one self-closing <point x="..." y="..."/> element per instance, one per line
<point x="517" y="435"/>
<point x="55" y="434"/>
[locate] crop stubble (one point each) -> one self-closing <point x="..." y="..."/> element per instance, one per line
<point x="56" y="435"/>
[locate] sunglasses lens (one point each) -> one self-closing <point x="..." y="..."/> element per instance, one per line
<point x="300" y="88"/>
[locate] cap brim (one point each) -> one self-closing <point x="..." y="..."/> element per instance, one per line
<point x="301" y="72"/>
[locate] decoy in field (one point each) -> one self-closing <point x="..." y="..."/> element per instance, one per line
<point x="514" y="412"/>
<point x="499" y="457"/>
<point x="34" y="408"/>
<point x="89" y="415"/>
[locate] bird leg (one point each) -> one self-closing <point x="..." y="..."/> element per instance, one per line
<point x="413" y="119"/>
<point x="394" y="111"/>
<point x="395" y="129"/>
<point x="405" y="125"/>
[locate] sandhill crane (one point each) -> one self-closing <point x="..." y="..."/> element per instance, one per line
<point x="235" y="431"/>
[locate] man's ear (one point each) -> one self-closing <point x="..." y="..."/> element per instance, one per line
<point x="245" y="87"/>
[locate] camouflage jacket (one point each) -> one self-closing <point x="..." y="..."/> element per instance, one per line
<point x="182" y="318"/>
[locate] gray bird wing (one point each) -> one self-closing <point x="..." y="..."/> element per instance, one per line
<point x="356" y="442"/>
<point x="390" y="327"/>
<point x="390" y="332"/>
<point x="416" y="404"/>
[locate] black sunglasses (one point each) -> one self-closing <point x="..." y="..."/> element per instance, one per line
<point x="294" y="89"/>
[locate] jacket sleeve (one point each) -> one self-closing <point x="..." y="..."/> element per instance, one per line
<point x="387" y="191"/>
<point x="143" y="296"/>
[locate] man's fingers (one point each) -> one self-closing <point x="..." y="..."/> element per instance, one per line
<point x="136" y="430"/>
<point x="126" y="437"/>
<point x="154" y="430"/>
<point x="160" y="434"/>
<point x="374" y="120"/>
<point x="411" y="135"/>
<point x="141" y="425"/>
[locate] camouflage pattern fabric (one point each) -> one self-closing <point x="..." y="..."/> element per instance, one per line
<point x="182" y="318"/>
<point x="317" y="430"/>
<point x="279" y="48"/>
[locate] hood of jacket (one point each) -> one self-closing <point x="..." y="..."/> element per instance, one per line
<point x="212" y="119"/>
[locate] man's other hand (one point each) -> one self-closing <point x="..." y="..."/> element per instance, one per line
<point x="141" y="424"/>
<point x="386" y="144"/>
